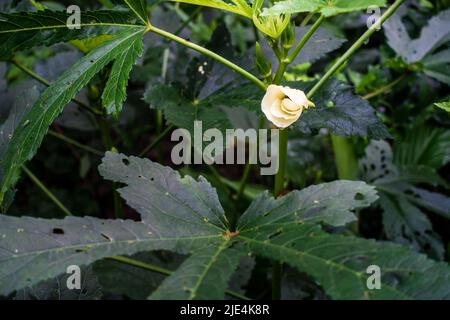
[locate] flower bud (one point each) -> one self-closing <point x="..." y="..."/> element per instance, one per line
<point x="288" y="36"/>
<point x="262" y="64"/>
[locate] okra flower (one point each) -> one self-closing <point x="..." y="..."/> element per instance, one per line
<point x="283" y="105"/>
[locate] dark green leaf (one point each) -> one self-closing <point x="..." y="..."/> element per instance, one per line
<point x="30" y="132"/>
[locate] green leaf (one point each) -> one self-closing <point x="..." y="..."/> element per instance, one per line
<point x="326" y="7"/>
<point x="171" y="204"/>
<point x="443" y="105"/>
<point x="340" y="111"/>
<point x="24" y="30"/>
<point x="403" y="221"/>
<point x="432" y="36"/>
<point x="56" y="289"/>
<point x="332" y="203"/>
<point x="204" y="275"/>
<point x="339" y="263"/>
<point x="177" y="214"/>
<point x="424" y="145"/>
<point x="30" y="132"/>
<point x="115" y="91"/>
<point x="139" y="7"/>
<point x="238" y="6"/>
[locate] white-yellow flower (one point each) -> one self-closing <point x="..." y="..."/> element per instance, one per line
<point x="283" y="105"/>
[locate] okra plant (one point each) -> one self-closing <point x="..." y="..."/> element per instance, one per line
<point x="161" y="98"/>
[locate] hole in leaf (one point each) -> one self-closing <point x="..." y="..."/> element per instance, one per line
<point x="275" y="234"/>
<point x="106" y="237"/>
<point x="359" y="196"/>
<point x="125" y="161"/>
<point x="58" y="231"/>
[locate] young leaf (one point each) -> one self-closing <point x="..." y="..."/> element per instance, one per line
<point x="339" y="263"/>
<point x="443" y="105"/>
<point x="204" y="275"/>
<point x="139" y="7"/>
<point x="23" y="30"/>
<point x="325" y="7"/>
<point x="332" y="203"/>
<point x="115" y="91"/>
<point x="339" y="110"/>
<point x="30" y="132"/>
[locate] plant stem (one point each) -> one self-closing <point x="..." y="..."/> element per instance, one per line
<point x="37" y="77"/>
<point x="345" y="159"/>
<point x="163" y="271"/>
<point x="385" y="88"/>
<point x="107" y="141"/>
<point x="47" y="192"/>
<point x="305" y="38"/>
<point x="355" y="47"/>
<point x="279" y="177"/>
<point x="75" y="143"/>
<point x="210" y="54"/>
<point x="156" y="141"/>
<point x="243" y="181"/>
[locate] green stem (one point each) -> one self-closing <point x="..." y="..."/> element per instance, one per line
<point x="156" y="141"/>
<point x="107" y="141"/>
<point x="279" y="177"/>
<point x="243" y="182"/>
<point x="385" y="88"/>
<point x="218" y="177"/>
<point x="37" y="77"/>
<point x="163" y="271"/>
<point x="343" y="59"/>
<point x="47" y="192"/>
<point x="75" y="143"/>
<point x="305" y="38"/>
<point x="210" y="54"/>
<point x="345" y="159"/>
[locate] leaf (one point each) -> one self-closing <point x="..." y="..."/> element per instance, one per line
<point x="404" y="223"/>
<point x="239" y="6"/>
<point x="170" y="204"/>
<point x="28" y="136"/>
<point x="326" y="7"/>
<point x="424" y="145"/>
<point x="339" y="263"/>
<point x="56" y="289"/>
<point x="443" y="105"/>
<point x="332" y="203"/>
<point x="115" y="91"/>
<point x="204" y="275"/>
<point x="139" y="7"/>
<point x="340" y="111"/>
<point x="24" y="30"/>
<point x="177" y="214"/>
<point x="432" y="36"/>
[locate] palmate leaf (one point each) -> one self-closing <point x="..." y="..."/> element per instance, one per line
<point x="115" y="91"/>
<point x="339" y="263"/>
<point x="23" y="30"/>
<point x="340" y="111"/>
<point x="325" y="7"/>
<point x="177" y="214"/>
<point x="28" y="136"/>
